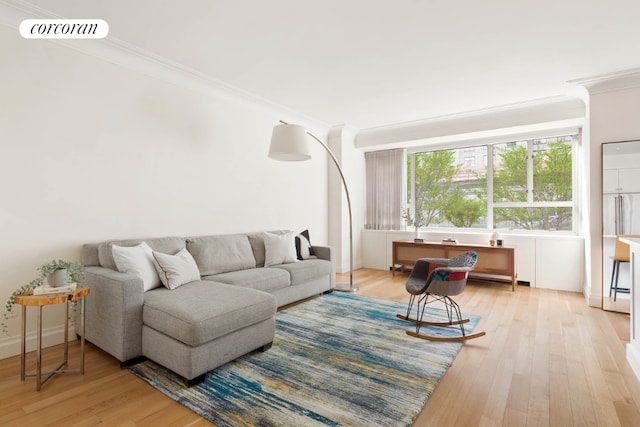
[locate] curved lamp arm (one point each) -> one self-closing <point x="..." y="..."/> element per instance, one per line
<point x="351" y="287"/>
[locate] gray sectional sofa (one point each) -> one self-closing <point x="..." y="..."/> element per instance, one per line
<point x="227" y="312"/>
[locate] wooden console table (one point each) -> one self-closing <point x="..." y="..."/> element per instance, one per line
<point x="492" y="260"/>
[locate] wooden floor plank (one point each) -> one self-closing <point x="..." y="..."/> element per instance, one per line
<point x="547" y="360"/>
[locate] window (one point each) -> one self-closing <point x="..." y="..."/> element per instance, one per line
<point x="520" y="185"/>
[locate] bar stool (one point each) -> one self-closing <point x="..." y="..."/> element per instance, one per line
<point x="620" y="255"/>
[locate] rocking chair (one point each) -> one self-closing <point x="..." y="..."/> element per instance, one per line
<point x="440" y="279"/>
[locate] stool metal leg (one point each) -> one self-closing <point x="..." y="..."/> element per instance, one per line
<point x="613" y="275"/>
<point x="615" y="286"/>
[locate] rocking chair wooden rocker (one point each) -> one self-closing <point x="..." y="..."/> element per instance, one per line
<point x="440" y="279"/>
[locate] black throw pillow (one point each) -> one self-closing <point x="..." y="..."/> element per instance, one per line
<point x="303" y="245"/>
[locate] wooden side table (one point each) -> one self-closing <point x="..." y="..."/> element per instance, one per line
<point x="40" y="301"/>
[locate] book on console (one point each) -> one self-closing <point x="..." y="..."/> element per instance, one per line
<point x="46" y="289"/>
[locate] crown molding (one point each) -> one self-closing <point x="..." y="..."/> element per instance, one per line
<point x="546" y="113"/>
<point x="132" y="57"/>
<point x="610" y="82"/>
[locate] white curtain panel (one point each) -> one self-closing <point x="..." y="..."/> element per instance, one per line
<point x="384" y="189"/>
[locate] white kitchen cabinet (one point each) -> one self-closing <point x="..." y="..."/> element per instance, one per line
<point x="625" y="180"/>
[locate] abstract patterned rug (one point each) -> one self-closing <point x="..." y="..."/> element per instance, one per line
<point x="339" y="359"/>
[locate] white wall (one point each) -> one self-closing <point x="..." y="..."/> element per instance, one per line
<point x="341" y="141"/>
<point x="94" y="151"/>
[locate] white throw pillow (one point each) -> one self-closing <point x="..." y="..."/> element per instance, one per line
<point x="176" y="270"/>
<point x="279" y="248"/>
<point x="138" y="261"/>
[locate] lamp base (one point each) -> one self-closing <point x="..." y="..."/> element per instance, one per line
<point x="345" y="287"/>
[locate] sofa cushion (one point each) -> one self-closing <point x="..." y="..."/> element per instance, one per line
<point x="167" y="245"/>
<point x="201" y="311"/>
<point x="306" y="270"/>
<point x="219" y="254"/>
<point x="262" y="279"/>
<point x="89" y="255"/>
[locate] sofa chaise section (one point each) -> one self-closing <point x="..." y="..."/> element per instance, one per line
<point x="202" y="325"/>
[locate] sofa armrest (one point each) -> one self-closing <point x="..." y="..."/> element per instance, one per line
<point x="114" y="312"/>
<point x="323" y="252"/>
<point x="326" y="253"/>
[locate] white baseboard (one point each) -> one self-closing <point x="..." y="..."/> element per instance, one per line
<point x="10" y="346"/>
<point x="633" y="357"/>
<point x="595" y="301"/>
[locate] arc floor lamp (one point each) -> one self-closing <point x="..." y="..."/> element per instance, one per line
<point x="289" y="143"/>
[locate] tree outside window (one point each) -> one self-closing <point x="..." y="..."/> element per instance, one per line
<point x="446" y="191"/>
<point x="532" y="185"/>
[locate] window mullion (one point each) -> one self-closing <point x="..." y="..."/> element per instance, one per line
<point x="530" y="171"/>
<point x="412" y="172"/>
<point x="490" y="198"/>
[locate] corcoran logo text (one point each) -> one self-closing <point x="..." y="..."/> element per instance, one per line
<point x="64" y="29"/>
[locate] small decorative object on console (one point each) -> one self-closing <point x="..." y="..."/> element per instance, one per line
<point x="496" y="239"/>
<point x="449" y="241"/>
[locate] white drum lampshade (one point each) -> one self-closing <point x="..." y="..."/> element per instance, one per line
<point x="289" y="143"/>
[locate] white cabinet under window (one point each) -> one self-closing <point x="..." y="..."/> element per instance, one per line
<point x="552" y="262"/>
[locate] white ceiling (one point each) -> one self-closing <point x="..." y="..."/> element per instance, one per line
<point x="370" y="63"/>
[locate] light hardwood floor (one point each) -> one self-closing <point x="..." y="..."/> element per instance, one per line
<point x="547" y="360"/>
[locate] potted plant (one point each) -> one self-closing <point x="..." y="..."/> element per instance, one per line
<point x="415" y="221"/>
<point x="61" y="272"/>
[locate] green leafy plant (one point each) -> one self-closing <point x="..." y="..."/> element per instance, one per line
<point x="75" y="272"/>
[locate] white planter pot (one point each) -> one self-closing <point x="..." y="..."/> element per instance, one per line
<point x="58" y="278"/>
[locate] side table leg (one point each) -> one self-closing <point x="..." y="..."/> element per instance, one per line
<point x="23" y="343"/>
<point x="66" y="335"/>
<point x="39" y="351"/>
<point x="82" y="337"/>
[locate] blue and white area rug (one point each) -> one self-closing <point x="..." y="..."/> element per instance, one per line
<point x="339" y="359"/>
